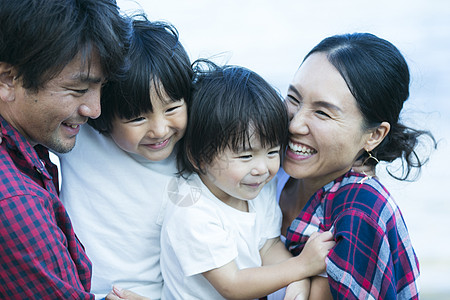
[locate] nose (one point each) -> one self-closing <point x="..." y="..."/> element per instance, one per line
<point x="298" y="123"/>
<point x="91" y="105"/>
<point x="158" y="127"/>
<point x="260" y="167"/>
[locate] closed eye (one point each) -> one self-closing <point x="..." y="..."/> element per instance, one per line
<point x="81" y="92"/>
<point x="322" y="113"/>
<point x="138" y="119"/>
<point x="293" y="100"/>
<point x="245" y="157"/>
<point x="172" y="109"/>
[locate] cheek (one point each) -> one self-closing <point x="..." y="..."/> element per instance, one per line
<point x="125" y="139"/>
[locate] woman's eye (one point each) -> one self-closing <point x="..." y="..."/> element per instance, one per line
<point x="322" y="113"/>
<point x="293" y="100"/>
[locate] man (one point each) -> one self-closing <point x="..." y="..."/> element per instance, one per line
<point x="54" y="57"/>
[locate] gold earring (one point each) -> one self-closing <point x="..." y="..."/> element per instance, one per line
<point x="363" y="164"/>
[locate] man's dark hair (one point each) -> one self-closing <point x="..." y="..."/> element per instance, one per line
<point x="39" y="38"/>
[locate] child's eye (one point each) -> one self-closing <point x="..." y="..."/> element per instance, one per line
<point x="138" y="119"/>
<point x="274" y="153"/>
<point x="172" y="109"/>
<point x="245" y="157"/>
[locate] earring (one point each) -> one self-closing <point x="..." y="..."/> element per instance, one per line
<point x="364" y="163"/>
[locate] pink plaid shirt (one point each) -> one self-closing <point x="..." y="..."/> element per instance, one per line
<point x="40" y="256"/>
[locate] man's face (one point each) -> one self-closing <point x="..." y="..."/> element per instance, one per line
<point x="53" y="115"/>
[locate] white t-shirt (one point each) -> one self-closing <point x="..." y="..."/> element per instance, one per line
<point x="115" y="202"/>
<point x="201" y="233"/>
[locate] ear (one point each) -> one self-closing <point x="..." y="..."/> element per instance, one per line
<point x="7" y="75"/>
<point x="377" y="136"/>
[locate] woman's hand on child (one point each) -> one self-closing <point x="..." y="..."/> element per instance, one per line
<point x="316" y="250"/>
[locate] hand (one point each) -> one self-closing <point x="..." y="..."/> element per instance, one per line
<point x="316" y="250"/>
<point x="298" y="290"/>
<point x="118" y="293"/>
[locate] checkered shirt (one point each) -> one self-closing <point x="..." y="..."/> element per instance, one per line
<point x="40" y="256"/>
<point x="373" y="257"/>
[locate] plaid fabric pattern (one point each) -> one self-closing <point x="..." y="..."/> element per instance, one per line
<point x="373" y="257"/>
<point x="40" y="256"/>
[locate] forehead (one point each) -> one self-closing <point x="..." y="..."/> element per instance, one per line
<point x="317" y="69"/>
<point x="82" y="69"/>
<point x="318" y="80"/>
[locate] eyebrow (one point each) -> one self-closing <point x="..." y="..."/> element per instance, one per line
<point x="83" y="77"/>
<point x="328" y="105"/>
<point x="296" y="92"/>
<point x="319" y="103"/>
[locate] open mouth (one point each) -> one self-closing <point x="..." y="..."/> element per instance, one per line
<point x="159" y="145"/>
<point x="74" y="126"/>
<point x="301" y="150"/>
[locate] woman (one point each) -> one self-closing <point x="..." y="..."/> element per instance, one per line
<point x="344" y="104"/>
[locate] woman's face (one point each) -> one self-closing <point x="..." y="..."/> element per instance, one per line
<point x="326" y="126"/>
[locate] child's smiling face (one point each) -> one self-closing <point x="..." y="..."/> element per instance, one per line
<point x="153" y="135"/>
<point x="241" y="175"/>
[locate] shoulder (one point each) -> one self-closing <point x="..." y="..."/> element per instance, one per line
<point x="14" y="182"/>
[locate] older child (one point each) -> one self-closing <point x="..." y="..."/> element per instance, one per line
<point x="223" y="222"/>
<point x="114" y="179"/>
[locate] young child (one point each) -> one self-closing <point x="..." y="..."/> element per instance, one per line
<point x="114" y="179"/>
<point x="223" y="223"/>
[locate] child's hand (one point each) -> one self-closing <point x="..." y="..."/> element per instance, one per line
<point x="298" y="290"/>
<point x="316" y="250"/>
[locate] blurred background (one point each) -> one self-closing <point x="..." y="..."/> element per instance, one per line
<point x="272" y="37"/>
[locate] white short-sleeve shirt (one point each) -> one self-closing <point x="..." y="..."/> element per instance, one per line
<point x="115" y="202"/>
<point x="205" y="234"/>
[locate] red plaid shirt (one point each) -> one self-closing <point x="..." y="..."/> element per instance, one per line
<point x="40" y="256"/>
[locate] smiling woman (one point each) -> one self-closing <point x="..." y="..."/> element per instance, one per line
<point x="344" y="103"/>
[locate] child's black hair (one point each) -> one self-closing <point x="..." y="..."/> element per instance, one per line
<point x="157" y="60"/>
<point x="228" y="104"/>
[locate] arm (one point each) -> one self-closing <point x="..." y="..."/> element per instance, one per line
<point x="273" y="252"/>
<point x="233" y="283"/>
<point x="320" y="289"/>
<point x="35" y="260"/>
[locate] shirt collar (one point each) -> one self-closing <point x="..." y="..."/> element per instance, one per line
<point x="36" y="157"/>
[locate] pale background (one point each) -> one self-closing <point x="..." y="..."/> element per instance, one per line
<point x="271" y="38"/>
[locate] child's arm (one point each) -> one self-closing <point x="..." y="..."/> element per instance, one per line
<point x="233" y="283"/>
<point x="274" y="251"/>
<point x="320" y="289"/>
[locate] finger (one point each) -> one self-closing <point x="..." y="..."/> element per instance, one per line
<point x="112" y="296"/>
<point x="314" y="235"/>
<point x="325" y="236"/>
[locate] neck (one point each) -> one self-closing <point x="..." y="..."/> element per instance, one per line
<point x="229" y="200"/>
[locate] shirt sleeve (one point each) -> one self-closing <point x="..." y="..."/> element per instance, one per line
<point x="200" y="239"/>
<point x="271" y="213"/>
<point x="34" y="256"/>
<point x="361" y="265"/>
